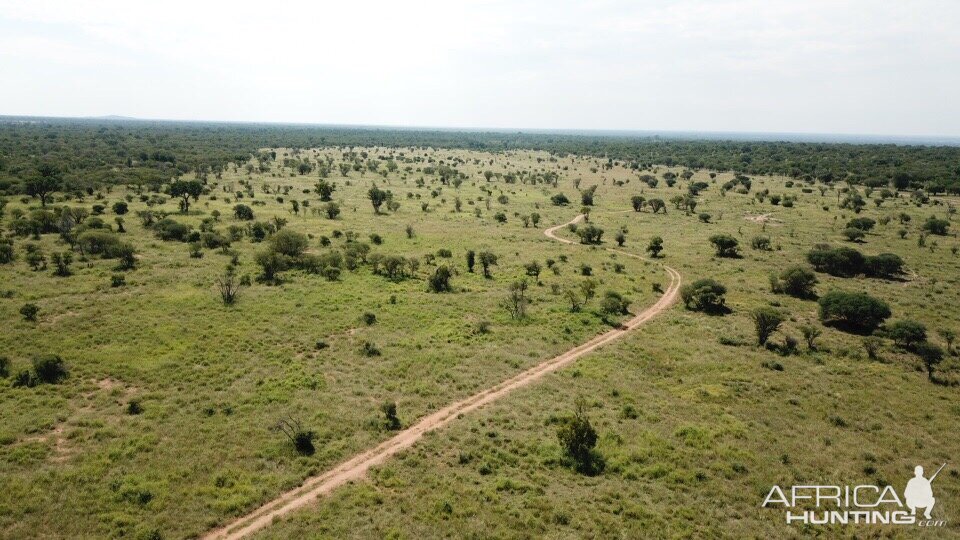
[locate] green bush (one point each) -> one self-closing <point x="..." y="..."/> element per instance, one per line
<point x="289" y="243"/>
<point x="49" y="369"/>
<point x="795" y="281"/>
<point x="168" y="229"/>
<point x="726" y="245"/>
<point x="907" y="333"/>
<point x="578" y="438"/>
<point x="766" y="321"/>
<point x="854" y="311"/>
<point x="704" y="295"/>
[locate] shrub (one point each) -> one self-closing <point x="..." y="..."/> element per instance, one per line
<point x="614" y="303"/>
<point x="516" y="301"/>
<point x="936" y="226"/>
<point x="440" y="280"/>
<point x="289" y="243"/>
<point x="6" y="251"/>
<point x="810" y="335"/>
<point x="726" y="245"/>
<point x="560" y="200"/>
<point x="854" y="311"/>
<point x="578" y="439"/>
<point x="795" y="281"/>
<point x="229" y="286"/>
<point x="369" y="349"/>
<point x="62" y="263"/>
<point x="872" y="345"/>
<point x="390" y="419"/>
<point x="760" y="243"/>
<point x="766" y="321"/>
<point x="589" y="234"/>
<point x="134" y="407"/>
<point x="271" y="263"/>
<point x="907" y="333"/>
<point x="655" y="246"/>
<point x="884" y="265"/>
<point x="49" y="369"/>
<point x="931" y="355"/>
<point x="117" y="280"/>
<point x="368" y="318"/>
<point x="301" y="438"/>
<point x="168" y="229"/>
<point x="243" y="212"/>
<point x="704" y="295"/>
<point x="840" y="262"/>
<point x="4" y="367"/>
<point x="97" y="242"/>
<point x="29" y="312"/>
<point x="487" y="259"/>
<point x="861" y="223"/>
<point x="853" y="235"/>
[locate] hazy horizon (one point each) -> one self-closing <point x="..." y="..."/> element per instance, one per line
<point x="735" y="66"/>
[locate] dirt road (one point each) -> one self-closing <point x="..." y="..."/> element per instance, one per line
<point x="356" y="467"/>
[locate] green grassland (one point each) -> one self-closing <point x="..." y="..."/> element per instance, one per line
<point x="695" y="421"/>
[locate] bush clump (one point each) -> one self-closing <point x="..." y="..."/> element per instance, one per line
<point x="853" y="311"/>
<point x="705" y="295"/>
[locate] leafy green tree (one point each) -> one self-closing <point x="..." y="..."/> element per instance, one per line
<point x="62" y="262"/>
<point x="725" y="245"/>
<point x="590" y="234"/>
<point x="325" y="190"/>
<point x="705" y="295"/>
<point x="907" y="333"/>
<point x="47" y="180"/>
<point x="854" y="311"/>
<point x="795" y="281"/>
<point x="766" y="321"/>
<point x="638" y="202"/>
<point x="884" y="265"/>
<point x="289" y="243"/>
<point x="931" y="355"/>
<point x="487" y="259"/>
<point x="810" y="335"/>
<point x="186" y="190"/>
<point x="614" y="303"/>
<point x="655" y="246"/>
<point x="377" y="197"/>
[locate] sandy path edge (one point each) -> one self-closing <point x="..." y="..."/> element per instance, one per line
<point x="357" y="466"/>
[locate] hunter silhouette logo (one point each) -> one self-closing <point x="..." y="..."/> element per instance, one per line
<point x="919" y="493"/>
<point x="861" y="504"/>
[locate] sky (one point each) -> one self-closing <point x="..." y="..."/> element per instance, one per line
<point x="811" y="66"/>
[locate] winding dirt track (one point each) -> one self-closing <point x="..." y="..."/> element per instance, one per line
<point x="357" y="466"/>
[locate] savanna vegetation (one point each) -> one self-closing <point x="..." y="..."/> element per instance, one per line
<point x="199" y="317"/>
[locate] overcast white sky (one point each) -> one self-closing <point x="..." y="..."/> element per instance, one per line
<point x="865" y="67"/>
